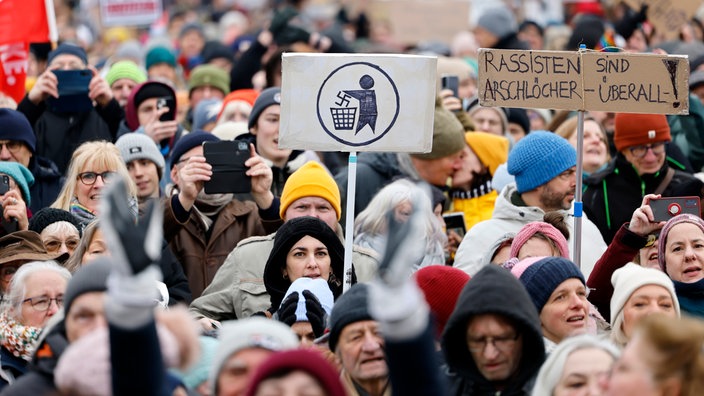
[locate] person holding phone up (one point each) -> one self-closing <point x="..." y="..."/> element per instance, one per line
<point x="61" y="121"/>
<point x="15" y="181"/>
<point x="202" y="229"/>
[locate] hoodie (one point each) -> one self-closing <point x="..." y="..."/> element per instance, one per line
<point x="493" y="290"/>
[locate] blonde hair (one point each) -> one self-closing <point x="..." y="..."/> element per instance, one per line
<point x="675" y="348"/>
<point x="99" y="154"/>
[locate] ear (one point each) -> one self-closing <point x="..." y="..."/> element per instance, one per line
<point x="253" y="130"/>
<point x="174" y="174"/>
<point x="284" y="273"/>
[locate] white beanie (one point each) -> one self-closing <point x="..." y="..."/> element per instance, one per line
<point x="627" y="280"/>
<point x="252" y="332"/>
<point x="320" y="289"/>
<point x="551" y="371"/>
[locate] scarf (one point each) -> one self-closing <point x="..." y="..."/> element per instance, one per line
<point x="691" y="297"/>
<point x="85" y="215"/>
<point x="206" y="205"/>
<point x="18" y="338"/>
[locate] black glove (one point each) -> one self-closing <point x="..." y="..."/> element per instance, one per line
<point x="315" y="313"/>
<point x="292" y="34"/>
<point x="287" y="311"/>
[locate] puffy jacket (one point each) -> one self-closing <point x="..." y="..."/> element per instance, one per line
<point x="509" y="218"/>
<point x="611" y="196"/>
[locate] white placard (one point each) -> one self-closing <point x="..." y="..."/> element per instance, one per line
<point x="357" y="102"/>
<point x="130" y="12"/>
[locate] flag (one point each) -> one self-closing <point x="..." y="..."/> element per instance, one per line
<point x="23" y="21"/>
<point x="13" y="69"/>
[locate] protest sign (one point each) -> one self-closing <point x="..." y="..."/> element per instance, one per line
<point x="616" y="82"/>
<point x="130" y="12"/>
<point x="357" y="102"/>
<point x="666" y="15"/>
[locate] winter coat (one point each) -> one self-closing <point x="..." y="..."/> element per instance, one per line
<point x="611" y="196"/>
<point x="48" y="182"/>
<point x="39" y="378"/>
<point x="11" y="367"/>
<point x="238" y="290"/>
<point x="493" y="290"/>
<point x="202" y="255"/>
<point x="510" y="218"/>
<point x="58" y="135"/>
<point x="620" y="252"/>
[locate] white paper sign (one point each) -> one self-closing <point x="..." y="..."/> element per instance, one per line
<point x="130" y="12"/>
<point x="357" y="102"/>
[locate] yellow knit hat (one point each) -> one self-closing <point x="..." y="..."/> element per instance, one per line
<point x="311" y="180"/>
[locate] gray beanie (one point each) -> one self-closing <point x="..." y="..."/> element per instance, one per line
<point x="498" y="21"/>
<point x="349" y="308"/>
<point x="89" y="278"/>
<point x="134" y="146"/>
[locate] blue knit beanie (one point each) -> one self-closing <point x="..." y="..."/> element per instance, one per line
<point x="187" y="142"/>
<point x="21" y="175"/>
<point x="538" y="158"/>
<point x="544" y="276"/>
<point x="68" y="49"/>
<point x="15" y="126"/>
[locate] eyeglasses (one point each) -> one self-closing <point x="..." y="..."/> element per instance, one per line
<point x="54" y="245"/>
<point x="503" y="344"/>
<point x="43" y="303"/>
<point x="640" y="151"/>
<point x="12" y="146"/>
<point x="89" y="178"/>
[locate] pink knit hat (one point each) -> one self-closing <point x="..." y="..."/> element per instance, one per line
<point x="662" y="241"/>
<point x="519" y="267"/>
<point x="530" y="229"/>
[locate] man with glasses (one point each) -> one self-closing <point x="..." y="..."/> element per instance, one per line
<point x="59" y="124"/>
<point x="641" y="167"/>
<point x="18" y="144"/>
<point x="493" y="343"/>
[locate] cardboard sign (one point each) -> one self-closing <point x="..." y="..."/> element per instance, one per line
<point x="357" y="102"/>
<point x="410" y="20"/>
<point x="130" y="12"/>
<point x="667" y="16"/>
<point x="615" y="82"/>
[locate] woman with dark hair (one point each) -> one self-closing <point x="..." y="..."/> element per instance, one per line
<point x="304" y="247"/>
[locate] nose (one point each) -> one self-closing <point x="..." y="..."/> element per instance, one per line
<point x="650" y="154"/>
<point x="371" y="343"/>
<point x="5" y="153"/>
<point x="490" y="351"/>
<point x="99" y="182"/>
<point x="53" y="308"/>
<point x="138" y="171"/>
<point x="312" y="263"/>
<point x="63" y="249"/>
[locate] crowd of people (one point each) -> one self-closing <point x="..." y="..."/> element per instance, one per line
<point x="124" y="273"/>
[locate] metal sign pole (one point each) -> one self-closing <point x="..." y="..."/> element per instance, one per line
<point x="349" y="218"/>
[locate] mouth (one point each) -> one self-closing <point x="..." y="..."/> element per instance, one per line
<point x="312" y="276"/>
<point x="374" y="360"/>
<point x="577" y="320"/>
<point x="691" y="272"/>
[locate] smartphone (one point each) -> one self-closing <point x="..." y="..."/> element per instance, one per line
<point x="454" y="221"/>
<point x="166" y="101"/>
<point x="452" y="83"/>
<point x="73" y="92"/>
<point x="666" y="208"/>
<point x="4" y="184"/>
<point x="227" y="159"/>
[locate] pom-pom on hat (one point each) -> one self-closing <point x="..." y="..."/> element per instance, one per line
<point x="310" y="180"/>
<point x="632" y="129"/>
<point x="538" y="158"/>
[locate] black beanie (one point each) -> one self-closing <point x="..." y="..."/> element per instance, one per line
<point x="518" y="116"/>
<point x="89" y="278"/>
<point x="351" y="307"/>
<point x="68" y="49"/>
<point x="47" y="216"/>
<point x="287" y="235"/>
<point x="152" y="89"/>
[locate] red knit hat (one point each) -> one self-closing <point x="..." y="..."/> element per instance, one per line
<point x="306" y="360"/>
<point x="442" y="286"/>
<point x="638" y="129"/>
